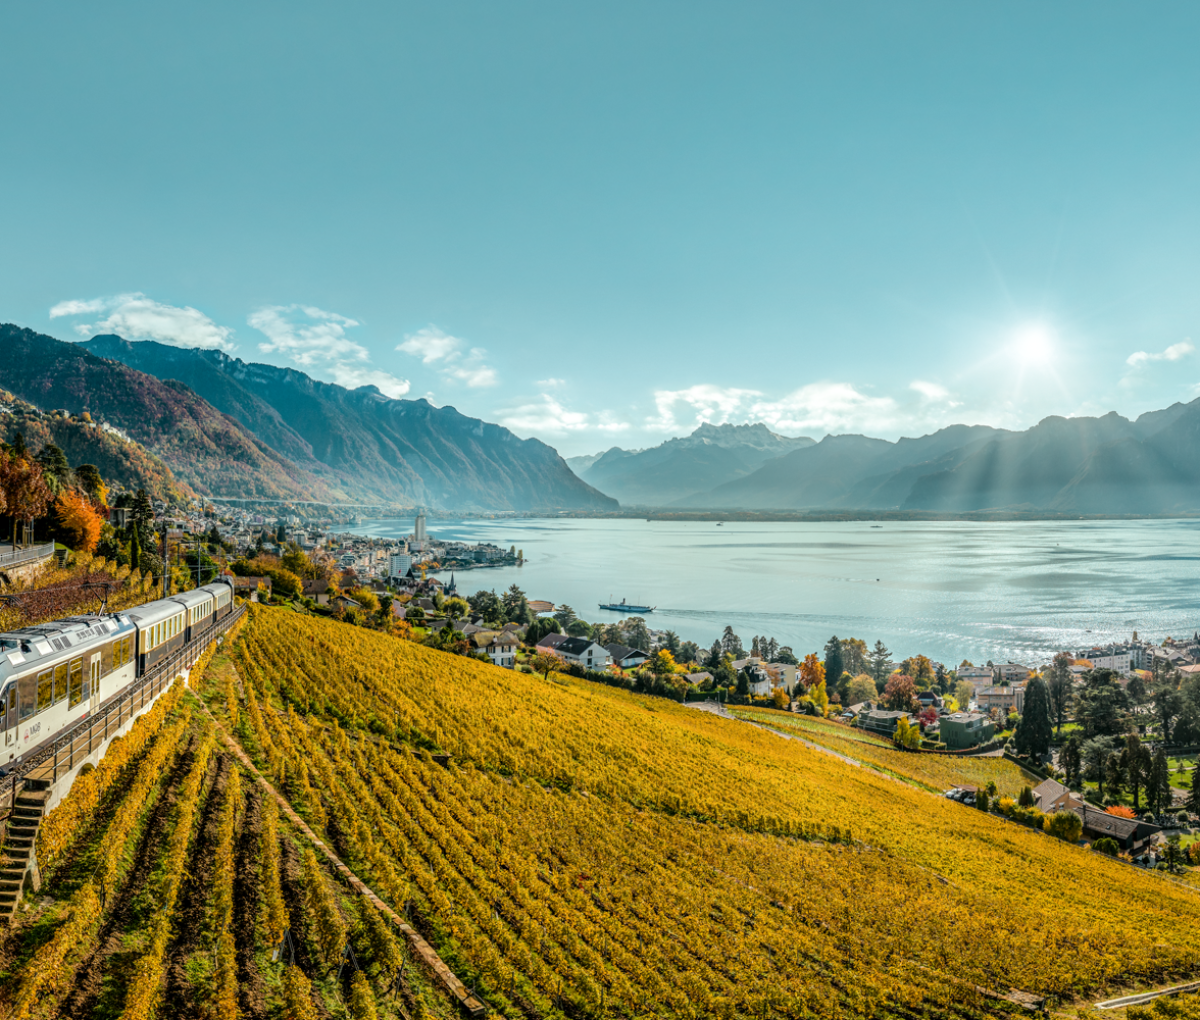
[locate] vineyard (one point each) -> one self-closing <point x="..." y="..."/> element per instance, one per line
<point x="173" y="888"/>
<point x="932" y="772"/>
<point x="570" y="850"/>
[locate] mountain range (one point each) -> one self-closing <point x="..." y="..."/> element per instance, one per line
<point x="676" y="469"/>
<point x="1088" y="465"/>
<point x="231" y="428"/>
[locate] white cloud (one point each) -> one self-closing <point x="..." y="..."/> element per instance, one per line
<point x="1172" y="353"/>
<point x="816" y="408"/>
<point x="551" y="383"/>
<point x="316" y="339"/>
<point x="827" y="407"/>
<point x="445" y="353"/>
<point x="546" y="416"/>
<point x="929" y="390"/>
<point x="707" y="403"/>
<point x="137" y="317"/>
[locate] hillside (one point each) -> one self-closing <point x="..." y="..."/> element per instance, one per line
<point x="370" y="445"/>
<point x="677" y="468"/>
<point x="208" y="450"/>
<point x="586" y="852"/>
<point x="121" y="462"/>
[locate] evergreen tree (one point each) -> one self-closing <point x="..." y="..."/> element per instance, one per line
<point x="143" y="512"/>
<point x="731" y="644"/>
<point x="1059" y="684"/>
<point x="785" y="654"/>
<point x="1035" y="729"/>
<point x="1114" y="775"/>
<point x="1137" y="762"/>
<point x="714" y="656"/>
<point x="833" y="661"/>
<point x="880" y="657"/>
<point x="1158" y="789"/>
<point x="135" y="549"/>
<point x="1070" y="759"/>
<point x="743" y="682"/>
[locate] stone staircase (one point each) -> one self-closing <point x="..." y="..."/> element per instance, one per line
<point x="17" y="852"/>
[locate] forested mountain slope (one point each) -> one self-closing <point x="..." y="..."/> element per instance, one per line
<point x="370" y="445"/>
<point x="210" y="451"/>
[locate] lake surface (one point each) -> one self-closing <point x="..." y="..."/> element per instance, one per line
<point x="947" y="589"/>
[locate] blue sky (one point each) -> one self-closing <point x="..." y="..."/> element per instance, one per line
<point x="601" y="223"/>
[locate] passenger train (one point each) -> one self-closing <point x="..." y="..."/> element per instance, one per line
<point x="55" y="674"/>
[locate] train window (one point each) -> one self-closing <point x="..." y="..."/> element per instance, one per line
<point x="4" y="711"/>
<point x="45" y="690"/>
<point x="76" y="682"/>
<point x="128" y="646"/>
<point x="60" y="682"/>
<point x="27" y="695"/>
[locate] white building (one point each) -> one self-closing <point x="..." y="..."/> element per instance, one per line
<point x="502" y="650"/>
<point x="399" y="564"/>
<point x="586" y="653"/>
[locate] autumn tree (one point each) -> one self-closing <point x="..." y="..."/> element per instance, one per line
<point x="862" y="688"/>
<point x="26" y="494"/>
<point x="920" y="668"/>
<point x="545" y="661"/>
<point x="662" y="664"/>
<point x="811" y="672"/>
<point x="855" y="657"/>
<point x="900" y="694"/>
<point x="77" y="521"/>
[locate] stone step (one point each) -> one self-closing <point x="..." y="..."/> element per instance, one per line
<point x="34" y="799"/>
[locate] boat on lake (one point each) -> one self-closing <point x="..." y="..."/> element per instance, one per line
<point x="626" y="607"/>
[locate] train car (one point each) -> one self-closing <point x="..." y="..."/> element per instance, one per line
<point x="54" y="674"/>
<point x="222" y="590"/>
<point x="161" y="630"/>
<point x="199" y="605"/>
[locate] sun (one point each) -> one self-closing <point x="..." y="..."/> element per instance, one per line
<point x="1033" y="344"/>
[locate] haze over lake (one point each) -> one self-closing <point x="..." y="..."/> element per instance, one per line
<point x="947" y="589"/>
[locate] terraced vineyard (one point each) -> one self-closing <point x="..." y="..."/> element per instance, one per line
<point x="171" y="883"/>
<point x="570" y="849"/>
<point x="934" y="772"/>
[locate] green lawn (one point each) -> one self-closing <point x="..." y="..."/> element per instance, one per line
<point x="1181" y="780"/>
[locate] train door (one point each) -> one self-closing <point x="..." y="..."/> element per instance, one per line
<point x="8" y="715"/>
<point x="94" y="686"/>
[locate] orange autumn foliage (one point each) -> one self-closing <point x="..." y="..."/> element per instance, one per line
<point x="1120" y="810"/>
<point x="78" y="520"/>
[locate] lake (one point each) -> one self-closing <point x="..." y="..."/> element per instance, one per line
<point x="947" y="589"/>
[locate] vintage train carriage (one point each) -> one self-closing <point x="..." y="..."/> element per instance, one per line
<point x="161" y="630"/>
<point x="199" y="605"/>
<point x="54" y="674"/>
<point x="222" y="591"/>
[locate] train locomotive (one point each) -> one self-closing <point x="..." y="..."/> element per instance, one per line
<point x="56" y="674"/>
